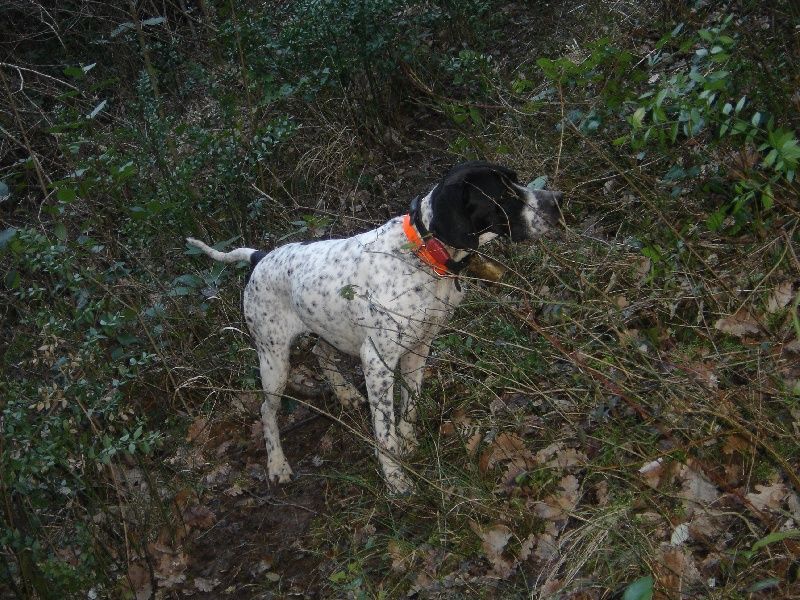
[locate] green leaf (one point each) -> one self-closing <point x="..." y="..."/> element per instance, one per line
<point x="641" y="589"/>
<point x="714" y="221"/>
<point x="338" y="577"/>
<point x="764" y="584"/>
<point x="97" y="110"/>
<point x="538" y="183"/>
<point x="154" y="21"/>
<point x="12" y="280"/>
<point x="638" y="117"/>
<point x="74" y="72"/>
<point x="6" y="235"/>
<point x="126" y="339"/>
<point x="767" y="198"/>
<point x="65" y="194"/>
<point x="4" y="191"/>
<point x="188" y="279"/>
<point x="777" y="536"/>
<point x="740" y="104"/>
<point x="60" y="231"/>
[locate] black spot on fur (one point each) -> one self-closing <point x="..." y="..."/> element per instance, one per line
<point x="255" y="257"/>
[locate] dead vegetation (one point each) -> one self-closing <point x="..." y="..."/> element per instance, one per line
<point x="618" y="417"/>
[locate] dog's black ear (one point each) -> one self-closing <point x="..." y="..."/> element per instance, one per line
<point x="467" y="203"/>
<point x="451" y="221"/>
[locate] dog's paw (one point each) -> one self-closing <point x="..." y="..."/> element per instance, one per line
<point x="407" y="438"/>
<point x="399" y="485"/>
<point x="349" y="396"/>
<point x="280" y="472"/>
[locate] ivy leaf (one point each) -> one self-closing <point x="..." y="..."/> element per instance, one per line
<point x="641" y="589"/>
<point x="97" y="110"/>
<point x="538" y="183"/>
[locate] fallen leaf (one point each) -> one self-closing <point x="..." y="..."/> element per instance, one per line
<point x="652" y="471"/>
<point x="199" y="517"/>
<point x="558" y="505"/>
<point x="739" y="325"/>
<point x="139" y="578"/>
<point x="494" y="540"/>
<point x="527" y="546"/>
<point x="546" y="548"/>
<point x="198" y="431"/>
<point x="556" y="455"/>
<point x="169" y="565"/>
<point x="506" y="447"/>
<point x="205" y="585"/>
<point x="398" y="555"/>
<point x="697" y="491"/>
<point x="680" y="534"/>
<point x="735" y="443"/>
<point x="234" y="491"/>
<point x="218" y="476"/>
<point x="780" y="297"/>
<point x="793" y="502"/>
<point x="601" y="493"/>
<point x="676" y="572"/>
<point x="769" y="497"/>
<point x="257" y="432"/>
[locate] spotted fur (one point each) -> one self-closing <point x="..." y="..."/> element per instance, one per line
<point x="369" y="296"/>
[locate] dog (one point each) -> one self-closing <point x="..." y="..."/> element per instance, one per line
<point x="382" y="296"/>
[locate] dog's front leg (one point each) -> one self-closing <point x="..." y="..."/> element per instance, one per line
<point x="412" y="368"/>
<point x="379" y="374"/>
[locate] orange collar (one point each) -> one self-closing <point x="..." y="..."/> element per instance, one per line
<point x="436" y="257"/>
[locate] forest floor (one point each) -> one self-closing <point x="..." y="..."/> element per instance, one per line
<point x="617" y="418"/>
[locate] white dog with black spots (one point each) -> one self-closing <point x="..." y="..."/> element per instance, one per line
<point x="382" y="296"/>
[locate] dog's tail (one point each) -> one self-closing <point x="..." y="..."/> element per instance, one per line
<point x="245" y="254"/>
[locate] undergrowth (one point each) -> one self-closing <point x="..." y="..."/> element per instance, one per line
<point x="617" y="417"/>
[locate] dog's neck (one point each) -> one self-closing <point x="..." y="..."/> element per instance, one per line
<point x="426" y="216"/>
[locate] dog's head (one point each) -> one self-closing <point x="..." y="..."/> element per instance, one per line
<point x="477" y="198"/>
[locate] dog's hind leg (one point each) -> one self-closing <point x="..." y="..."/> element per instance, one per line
<point x="345" y="391"/>
<point x="273" y="343"/>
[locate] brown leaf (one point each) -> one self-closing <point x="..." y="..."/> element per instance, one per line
<point x="546" y="548"/>
<point x="561" y="503"/>
<point x="399" y="556"/>
<point x="601" y="493"/>
<point x="198" y="431"/>
<point x="652" y="471"/>
<point x="169" y="565"/>
<point x="676" y="572"/>
<point x="218" y="476"/>
<point x="494" y="540"/>
<point x="697" y="491"/>
<point x="205" y="585"/>
<point x="739" y="325"/>
<point x="139" y="578"/>
<point x="184" y="497"/>
<point x="199" y="517"/>
<point x="506" y="447"/>
<point x="527" y="546"/>
<point x="735" y="443"/>
<point x="769" y="497"/>
<point x="780" y="297"/>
